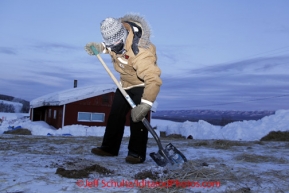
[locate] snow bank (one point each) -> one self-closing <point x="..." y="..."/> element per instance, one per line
<point x="42" y="128"/>
<point x="242" y="130"/>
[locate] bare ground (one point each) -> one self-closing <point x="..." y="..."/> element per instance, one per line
<point x="254" y="166"/>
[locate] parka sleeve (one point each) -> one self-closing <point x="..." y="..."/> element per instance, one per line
<point x="147" y="70"/>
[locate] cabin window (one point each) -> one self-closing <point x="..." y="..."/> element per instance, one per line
<point x="97" y="117"/>
<point x="83" y="116"/>
<point x="54" y="114"/>
<point x="49" y="113"/>
<point x="90" y="117"/>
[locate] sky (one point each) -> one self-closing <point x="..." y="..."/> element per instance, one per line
<point x="221" y="55"/>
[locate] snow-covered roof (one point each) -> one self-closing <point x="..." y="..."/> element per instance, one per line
<point x="72" y="95"/>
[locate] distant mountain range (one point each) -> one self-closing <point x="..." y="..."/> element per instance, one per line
<point x="211" y="116"/>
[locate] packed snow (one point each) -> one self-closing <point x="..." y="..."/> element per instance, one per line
<point x="29" y="163"/>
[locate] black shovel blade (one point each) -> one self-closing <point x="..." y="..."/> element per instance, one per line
<point x="159" y="159"/>
<point x="175" y="155"/>
<point x="172" y="156"/>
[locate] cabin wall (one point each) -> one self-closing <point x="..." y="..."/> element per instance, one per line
<point x="53" y="115"/>
<point x="98" y="104"/>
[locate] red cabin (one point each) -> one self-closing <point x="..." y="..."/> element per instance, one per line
<point x="82" y="106"/>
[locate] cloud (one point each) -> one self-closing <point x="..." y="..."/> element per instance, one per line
<point x="37" y="77"/>
<point x="247" y="85"/>
<point x="7" y="50"/>
<point x="253" y="84"/>
<point x="256" y="65"/>
<point x="54" y="46"/>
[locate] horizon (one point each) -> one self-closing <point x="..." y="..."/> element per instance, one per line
<point x="212" y="110"/>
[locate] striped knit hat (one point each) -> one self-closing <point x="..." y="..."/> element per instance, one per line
<point x="112" y="31"/>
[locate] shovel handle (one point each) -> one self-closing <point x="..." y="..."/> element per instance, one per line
<point x="127" y="97"/>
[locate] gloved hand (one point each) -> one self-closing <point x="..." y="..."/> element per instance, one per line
<point x="140" y="111"/>
<point x="98" y="46"/>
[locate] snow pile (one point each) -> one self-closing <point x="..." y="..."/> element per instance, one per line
<point x="241" y="130"/>
<point x="13" y="120"/>
<point x="12" y="116"/>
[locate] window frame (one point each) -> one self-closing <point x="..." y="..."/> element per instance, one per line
<point x="90" y="117"/>
<point x="49" y="113"/>
<point x="54" y="114"/>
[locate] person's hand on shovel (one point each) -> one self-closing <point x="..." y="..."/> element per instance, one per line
<point x="140" y="111"/>
<point x="98" y="46"/>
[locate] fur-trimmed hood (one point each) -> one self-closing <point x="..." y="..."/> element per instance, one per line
<point x="145" y="38"/>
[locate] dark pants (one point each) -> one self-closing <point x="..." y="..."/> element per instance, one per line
<point x="116" y="124"/>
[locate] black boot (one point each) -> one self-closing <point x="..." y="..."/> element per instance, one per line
<point x="133" y="158"/>
<point x="100" y="152"/>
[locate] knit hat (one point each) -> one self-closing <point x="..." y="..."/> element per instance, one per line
<point x="112" y="31"/>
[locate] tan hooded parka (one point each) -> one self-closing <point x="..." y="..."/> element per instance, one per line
<point x="138" y="66"/>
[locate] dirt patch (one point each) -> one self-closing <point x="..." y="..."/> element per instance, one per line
<point x="241" y="190"/>
<point x="83" y="173"/>
<point x="174" y="136"/>
<point x="148" y="174"/>
<point x="201" y="143"/>
<point x="192" y="171"/>
<point x="227" y="144"/>
<point x="219" y="144"/>
<point x="19" y="132"/>
<point x="254" y="158"/>
<point x="259" y="142"/>
<point x="276" y="136"/>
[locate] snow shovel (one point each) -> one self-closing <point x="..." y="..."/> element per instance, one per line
<point x="168" y="155"/>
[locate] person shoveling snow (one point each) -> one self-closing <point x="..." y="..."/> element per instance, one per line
<point x="126" y="40"/>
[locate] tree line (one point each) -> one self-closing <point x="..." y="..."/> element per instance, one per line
<point x="8" y="108"/>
